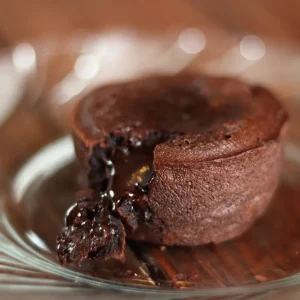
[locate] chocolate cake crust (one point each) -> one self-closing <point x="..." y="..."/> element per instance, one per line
<point x="218" y="116"/>
<point x="186" y="160"/>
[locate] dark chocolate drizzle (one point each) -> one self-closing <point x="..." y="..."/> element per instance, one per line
<point x="120" y="178"/>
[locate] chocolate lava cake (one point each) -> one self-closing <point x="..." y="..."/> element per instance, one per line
<point x="184" y="160"/>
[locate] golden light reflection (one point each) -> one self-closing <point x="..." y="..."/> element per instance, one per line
<point x="138" y="175"/>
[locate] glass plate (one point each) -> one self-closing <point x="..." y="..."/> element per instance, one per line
<point x="41" y="178"/>
<point x="266" y="257"/>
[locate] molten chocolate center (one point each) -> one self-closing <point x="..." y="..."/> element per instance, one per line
<point x="121" y="169"/>
<point x="120" y="176"/>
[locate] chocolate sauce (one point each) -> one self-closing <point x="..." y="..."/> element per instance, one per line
<point x="120" y="176"/>
<point x="122" y="169"/>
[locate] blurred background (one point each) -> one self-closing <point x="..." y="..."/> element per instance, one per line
<point x="32" y="19"/>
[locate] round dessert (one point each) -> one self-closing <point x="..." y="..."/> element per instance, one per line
<point x="183" y="160"/>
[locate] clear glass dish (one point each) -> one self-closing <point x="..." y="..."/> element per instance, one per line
<point x="39" y="176"/>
